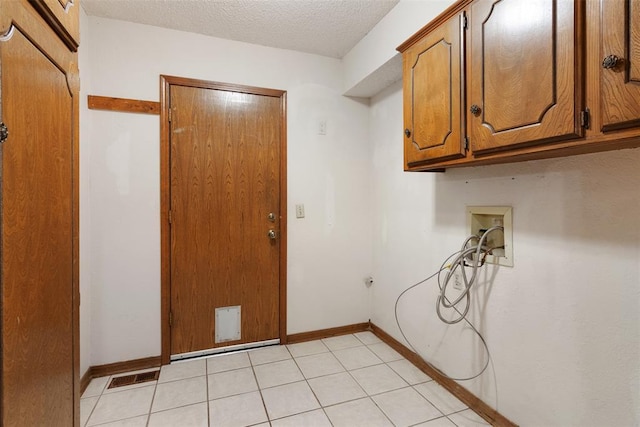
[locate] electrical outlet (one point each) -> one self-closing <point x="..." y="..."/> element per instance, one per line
<point x="457" y="281"/>
<point x="299" y="211"/>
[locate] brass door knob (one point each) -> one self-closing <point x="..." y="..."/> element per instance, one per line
<point x="272" y="234"/>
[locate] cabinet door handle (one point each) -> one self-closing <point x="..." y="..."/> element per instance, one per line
<point x="610" y="61"/>
<point x="407" y="132"/>
<point x="475" y="110"/>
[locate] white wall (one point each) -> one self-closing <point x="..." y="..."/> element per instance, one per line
<point x="329" y="252"/>
<point x="562" y="325"/>
<point x="85" y="193"/>
<point x="367" y="59"/>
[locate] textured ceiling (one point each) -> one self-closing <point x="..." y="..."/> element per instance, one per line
<point x="323" y="27"/>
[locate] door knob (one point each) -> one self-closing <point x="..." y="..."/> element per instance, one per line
<point x="272" y="234"/>
<point x="475" y="110"/>
<point x="610" y="61"/>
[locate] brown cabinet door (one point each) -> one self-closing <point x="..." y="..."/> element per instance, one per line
<point x="433" y="96"/>
<point x="620" y="71"/>
<point x="38" y="214"/>
<point x="524" y="75"/>
<point x="62" y="16"/>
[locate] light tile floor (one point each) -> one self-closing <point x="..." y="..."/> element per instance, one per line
<point x="350" y="380"/>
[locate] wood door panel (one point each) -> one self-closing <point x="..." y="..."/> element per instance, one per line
<point x="224" y="183"/>
<point x="524" y="73"/>
<point x="621" y="84"/>
<point x="37" y="244"/>
<point x="63" y="17"/>
<point x="433" y="96"/>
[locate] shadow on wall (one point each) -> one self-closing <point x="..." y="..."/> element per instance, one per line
<point x="588" y="197"/>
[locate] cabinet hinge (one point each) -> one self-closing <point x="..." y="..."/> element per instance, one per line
<point x="465" y="21"/>
<point x="169" y="114"/>
<point x="170" y="318"/>
<point x="170" y="218"/>
<point x="584" y="118"/>
<point x="466" y="143"/>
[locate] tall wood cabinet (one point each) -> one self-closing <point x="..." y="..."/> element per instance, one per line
<point x="39" y="213"/>
<point x="540" y="78"/>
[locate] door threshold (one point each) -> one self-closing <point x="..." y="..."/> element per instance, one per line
<point x="220" y="350"/>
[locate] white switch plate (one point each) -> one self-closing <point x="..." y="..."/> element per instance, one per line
<point x="485" y="217"/>
<point x="299" y="211"/>
<point x="322" y="127"/>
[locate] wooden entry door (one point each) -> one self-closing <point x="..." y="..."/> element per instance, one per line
<point x="224" y="200"/>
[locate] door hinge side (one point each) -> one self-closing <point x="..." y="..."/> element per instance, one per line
<point x="465" y="21"/>
<point x="584" y="118"/>
<point x="466" y="143"/>
<point x="170" y="319"/>
<point x="170" y="218"/>
<point x="169" y="114"/>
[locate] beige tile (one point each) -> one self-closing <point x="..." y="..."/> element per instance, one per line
<point x="336" y="388"/>
<point x="186" y="416"/>
<point x="406" y="407"/>
<point x="122" y="405"/>
<point x="269" y="354"/>
<point x="367" y="337"/>
<point x="342" y="341"/>
<point x="140" y="421"/>
<point x="307" y="348"/>
<point x="86" y="406"/>
<point x="229" y="383"/>
<point x="357" y="413"/>
<point x="277" y="373"/>
<point x="289" y="399"/>
<point x="96" y="387"/>
<point x="409" y="372"/>
<point x="180" y="393"/>
<point x="319" y="364"/>
<point x="468" y="418"/>
<point x="237" y="411"/>
<point x="356" y="357"/>
<point x="378" y="379"/>
<point x="439" y="397"/>
<point x="438" y="422"/>
<point x="227" y="362"/>
<point x="315" y="418"/>
<point x="384" y="352"/>
<point x="182" y="370"/>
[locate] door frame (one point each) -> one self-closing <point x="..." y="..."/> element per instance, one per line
<point x="165" y="200"/>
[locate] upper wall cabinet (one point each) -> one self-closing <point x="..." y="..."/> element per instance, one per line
<point x="524" y="76"/>
<point x="63" y="17"/>
<point x="539" y="79"/>
<point x="620" y="71"/>
<point x="433" y="95"/>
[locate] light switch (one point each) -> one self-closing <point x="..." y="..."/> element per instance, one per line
<point x="299" y="211"/>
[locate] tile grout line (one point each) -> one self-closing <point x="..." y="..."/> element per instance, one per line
<point x="366" y="392"/>
<point x="255" y="377"/>
<point x="86" y="423"/>
<point x="206" y="386"/>
<point x="306" y="380"/>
